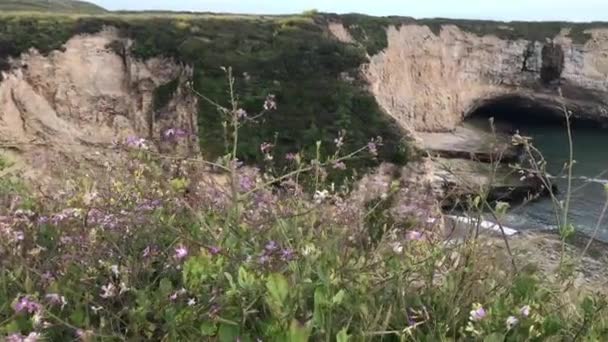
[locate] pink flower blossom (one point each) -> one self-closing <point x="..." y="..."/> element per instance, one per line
<point x="181" y="252"/>
<point x="478" y="314"/>
<point x="26" y="304"/>
<point x="414" y="235"/>
<point x="525" y="310"/>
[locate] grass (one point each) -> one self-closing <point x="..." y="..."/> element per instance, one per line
<point x="144" y="253"/>
<point x="59" y="6"/>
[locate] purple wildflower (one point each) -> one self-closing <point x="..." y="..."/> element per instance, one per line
<point x="43" y="220"/>
<point x="31" y="337"/>
<point x="525" y="310"/>
<point x="241" y="114"/>
<point x="215" y="250"/>
<point x="287" y="254"/>
<point x="264" y="259"/>
<point x="181" y="252"/>
<point x="339" y="166"/>
<point x="373" y="148"/>
<point x="478" y="314"/>
<point x="291" y="156"/>
<point x="271" y="246"/>
<point x="26" y="304"/>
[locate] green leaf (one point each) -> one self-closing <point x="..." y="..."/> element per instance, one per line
<point x="278" y="288"/>
<point x="228" y="333"/>
<point x="77" y="317"/>
<point x="298" y="332"/>
<point x="551" y="325"/>
<point x="495" y="337"/>
<point x="338" y="298"/>
<point x="165" y="286"/>
<point x="245" y="278"/>
<point x="208" y="329"/>
<point x="342" y="336"/>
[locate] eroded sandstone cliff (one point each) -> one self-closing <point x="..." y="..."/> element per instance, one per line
<point x="80" y="103"/>
<point x="429" y="80"/>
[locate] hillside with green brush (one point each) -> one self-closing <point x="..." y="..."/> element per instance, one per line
<point x="294" y="58"/>
<point x="60" y="6"/>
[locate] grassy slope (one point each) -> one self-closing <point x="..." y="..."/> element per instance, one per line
<point x="63" y="6"/>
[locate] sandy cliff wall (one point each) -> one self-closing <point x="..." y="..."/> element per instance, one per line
<point x="77" y="103"/>
<point x="430" y="82"/>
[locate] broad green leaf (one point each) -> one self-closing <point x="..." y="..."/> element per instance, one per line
<point x="208" y="329"/>
<point x="298" y="332"/>
<point x="228" y="333"/>
<point x="342" y="336"/>
<point x="278" y="288"/>
<point x="165" y="287"/>
<point x="338" y="298"/>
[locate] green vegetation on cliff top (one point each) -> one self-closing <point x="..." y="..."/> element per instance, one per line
<point x="62" y="6"/>
<point x="294" y="58"/>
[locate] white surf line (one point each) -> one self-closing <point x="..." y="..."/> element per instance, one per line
<point x="582" y="178"/>
<point x="484" y="224"/>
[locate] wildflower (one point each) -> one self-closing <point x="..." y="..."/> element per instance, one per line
<point x="175" y="295"/>
<point x="414" y="235"/>
<point x="373" y="148"/>
<point x="339" y="166"/>
<point x="478" y="313"/>
<point x="266" y="147"/>
<point x="241" y="114"/>
<point x="511" y="322"/>
<point x="191" y="302"/>
<point x="271" y="246"/>
<point x="525" y="310"/>
<point x="270" y="103"/>
<point x="108" y="291"/>
<point x="135" y="142"/>
<point x="180" y="253"/>
<point x="146" y="252"/>
<point x="56" y="299"/>
<point x="96" y="309"/>
<point x="287" y="254"/>
<point x="215" y="250"/>
<point x="320" y="196"/>
<point x="84" y="335"/>
<point x="339" y="141"/>
<point x="31" y="337"/>
<point x="397" y="248"/>
<point x="264" y="259"/>
<point x="114" y="269"/>
<point x="26" y="304"/>
<point x="291" y="156"/>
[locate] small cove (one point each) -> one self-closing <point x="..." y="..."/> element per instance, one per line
<point x="590" y="174"/>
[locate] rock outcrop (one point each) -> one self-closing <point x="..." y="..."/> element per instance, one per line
<point x="79" y="103"/>
<point x="431" y="82"/>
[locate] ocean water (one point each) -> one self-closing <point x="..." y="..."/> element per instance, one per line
<point x="590" y="176"/>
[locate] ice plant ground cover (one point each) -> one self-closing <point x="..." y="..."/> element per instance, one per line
<point x="162" y="249"/>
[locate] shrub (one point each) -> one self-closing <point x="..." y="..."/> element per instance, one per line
<point x="159" y="248"/>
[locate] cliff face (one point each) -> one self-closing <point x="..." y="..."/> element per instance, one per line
<point x="430" y="82"/>
<point x="76" y="104"/>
